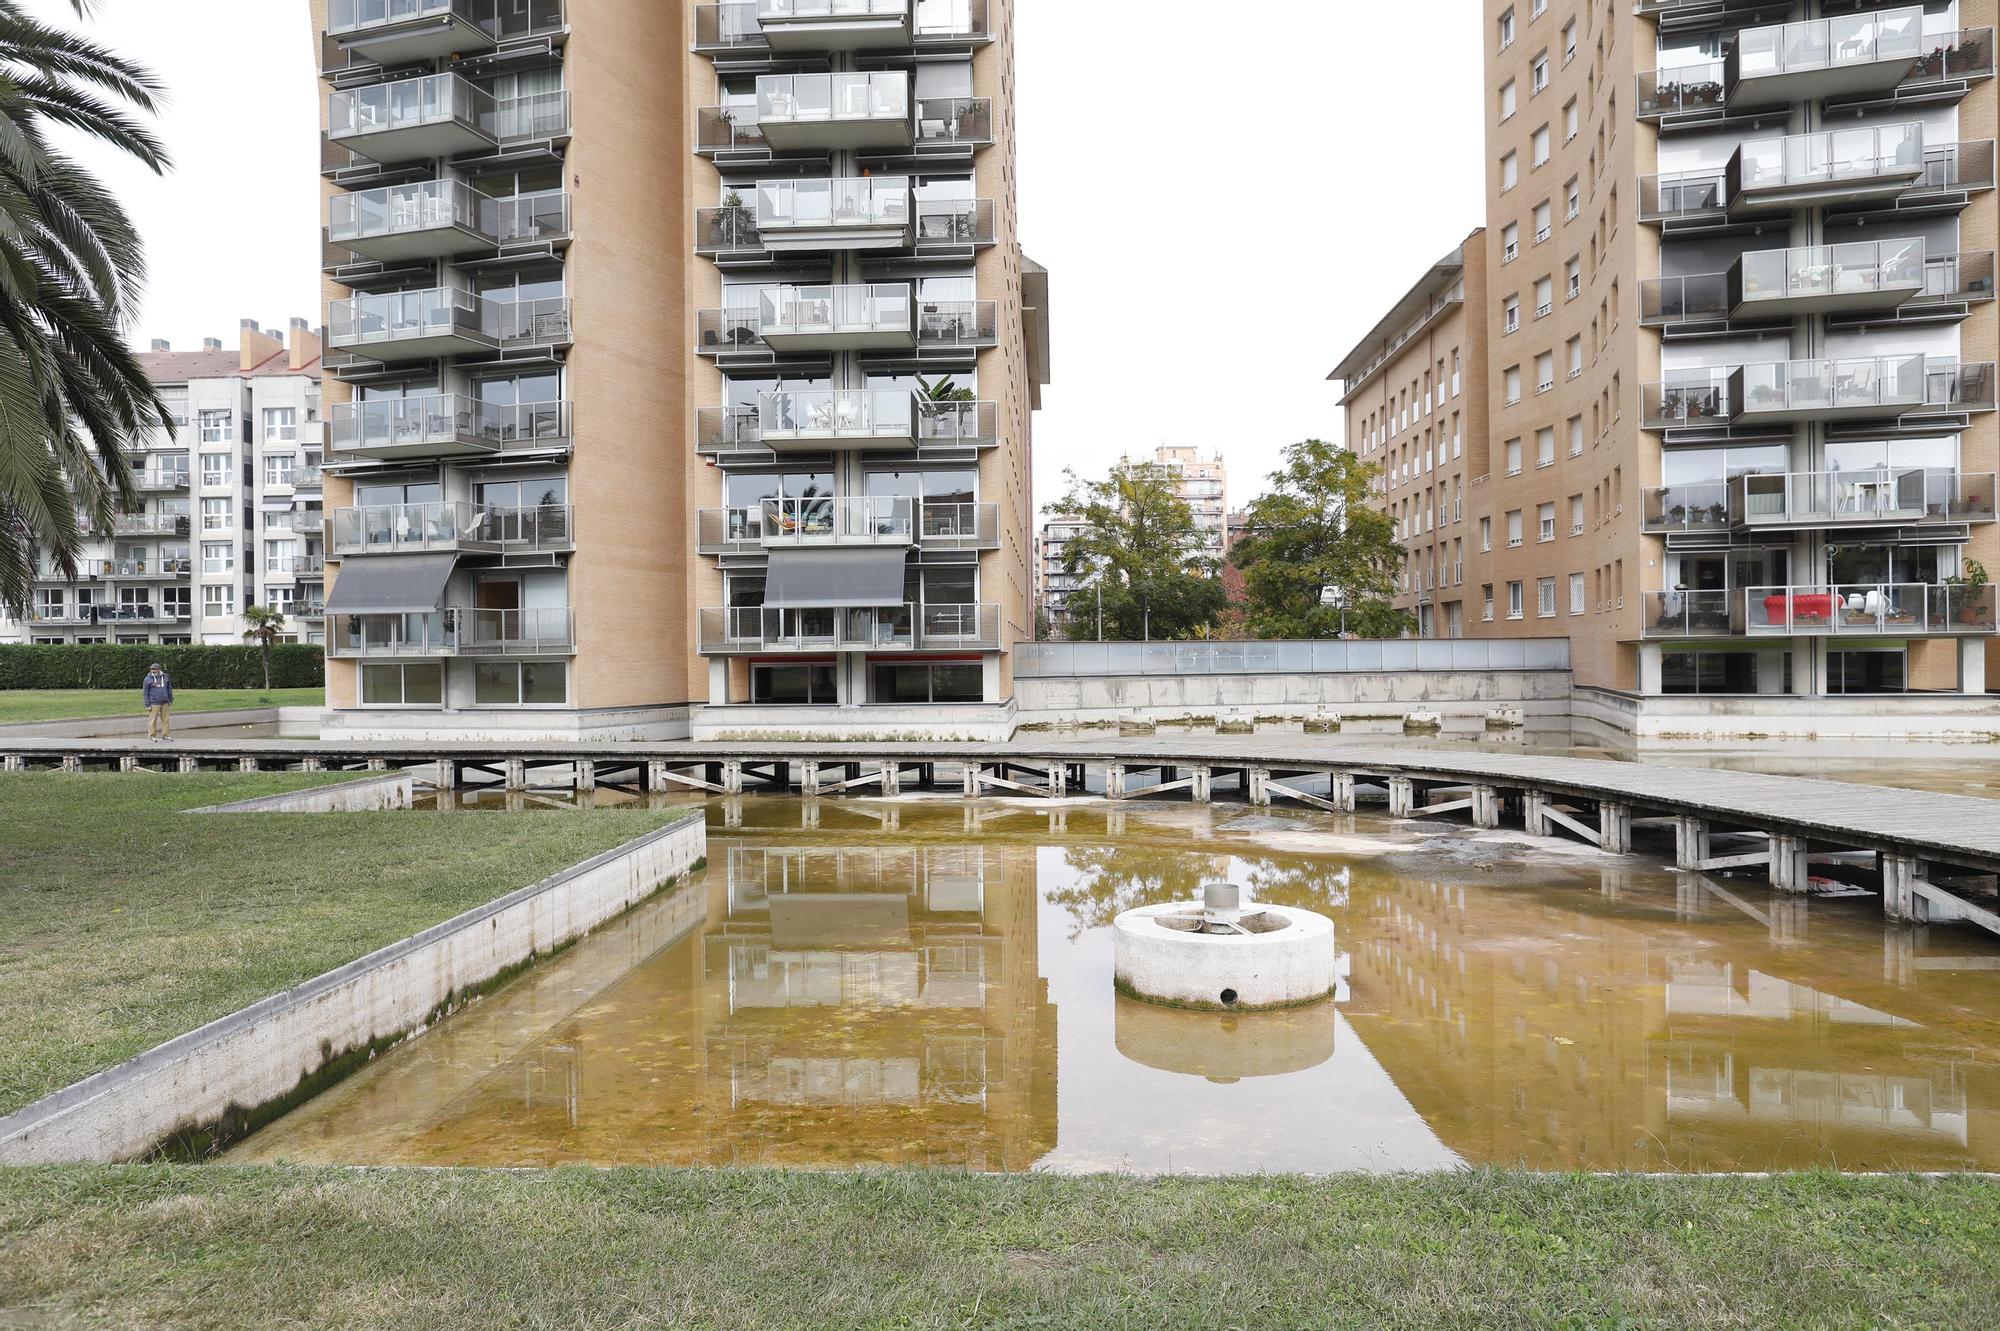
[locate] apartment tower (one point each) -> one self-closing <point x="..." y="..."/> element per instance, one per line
<point x="1740" y="339"/>
<point x="869" y="346"/>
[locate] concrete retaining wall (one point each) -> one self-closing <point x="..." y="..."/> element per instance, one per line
<point x="371" y="794"/>
<point x="269" y="1049"/>
<point x="1468" y="693"/>
<point x="614" y="724"/>
<point x="119" y="727"/>
<point x="1908" y="716"/>
<point x="932" y="723"/>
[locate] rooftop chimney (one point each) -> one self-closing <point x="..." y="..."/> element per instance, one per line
<point x="255" y="346"/>
<point x="161" y="344"/>
<point x="211" y="344"/>
<point x="305" y="344"/>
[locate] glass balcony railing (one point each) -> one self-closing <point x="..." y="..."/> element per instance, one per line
<point x="738" y="629"/>
<point x="1682" y="90"/>
<point x="867" y="204"/>
<point x="1824" y="57"/>
<point x="825" y="25"/>
<point x="1874" y="158"/>
<point x="443" y="321"/>
<point x="947" y="325"/>
<point x="1902" y="496"/>
<point x="438" y="218"/>
<point x="1807" y="390"/>
<point x="438" y="424"/>
<point x="935" y="425"/>
<point x="842" y="317"/>
<point x="737" y="26"/>
<point x="458" y="631"/>
<point x="1868" y="609"/>
<point x="150" y="524"/>
<point x="826" y="415"/>
<point x="1830" y="276"/>
<point x="954" y="223"/>
<point x="465" y="527"/>
<point x="403" y="30"/>
<point x="1690" y="614"/>
<point x="954" y="122"/>
<point x="438" y="115"/>
<point x="957" y="424"/>
<point x="834" y="111"/>
<point x="1698" y="506"/>
<point x="160" y="478"/>
<point x="100" y="570"/>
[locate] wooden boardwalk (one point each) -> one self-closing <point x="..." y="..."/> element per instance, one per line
<point x="1595" y="799"/>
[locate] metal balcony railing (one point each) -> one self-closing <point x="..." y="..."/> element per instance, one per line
<point x="150" y="524"/>
<point x="459" y="116"/>
<point x="947" y="325"/>
<point x="858" y="309"/>
<point x="499" y="20"/>
<point x="758" y="629"/>
<point x="1899" y="496"/>
<point x="1827" y="159"/>
<point x="1797" y="390"/>
<point x="399" y="211"/>
<point x="861" y="203"/>
<point x="99" y="570"/>
<point x="458" y="631"/>
<point x="1905" y="609"/>
<point x="161" y="478"/>
<point x="957" y="424"/>
<point x="419" y="424"/>
<point x="1787" y="61"/>
<point x="833" y="414"/>
<point x="809" y="99"/>
<point x="464" y="527"/>
<point x="950" y="122"/>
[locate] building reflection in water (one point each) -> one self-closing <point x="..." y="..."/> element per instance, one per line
<point x="862" y="983"/>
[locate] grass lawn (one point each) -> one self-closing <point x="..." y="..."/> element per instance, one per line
<point x="208" y="1246"/>
<point x="89" y="704"/>
<point x="129" y="922"/>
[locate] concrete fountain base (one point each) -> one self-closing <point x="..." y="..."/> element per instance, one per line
<point x="1187" y="954"/>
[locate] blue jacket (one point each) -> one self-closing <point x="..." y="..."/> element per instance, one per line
<point x="157" y="689"/>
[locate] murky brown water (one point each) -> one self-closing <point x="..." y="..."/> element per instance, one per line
<point x="926" y="982"/>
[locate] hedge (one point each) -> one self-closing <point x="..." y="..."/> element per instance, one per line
<point x="122" y="665"/>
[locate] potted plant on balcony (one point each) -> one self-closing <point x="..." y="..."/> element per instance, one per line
<point x="1678" y="513"/>
<point x="736" y="223"/>
<point x="1966" y="593"/>
<point x="1717" y="513"/>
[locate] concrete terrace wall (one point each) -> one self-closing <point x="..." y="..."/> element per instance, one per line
<point x="269" y="1050"/>
<point x="118" y="727"/>
<point x="372" y="794"/>
<point x="1905" y="716"/>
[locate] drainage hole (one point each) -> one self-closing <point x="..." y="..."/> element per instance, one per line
<point x="1228" y="998"/>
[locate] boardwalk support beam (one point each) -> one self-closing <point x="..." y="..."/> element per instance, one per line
<point x="1402" y="797"/>
<point x="1614" y="827"/>
<point x="1789" y="872"/>
<point x="1485" y="806"/>
<point x="1691" y="841"/>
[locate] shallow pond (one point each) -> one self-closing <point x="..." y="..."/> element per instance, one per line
<point x="928" y="982"/>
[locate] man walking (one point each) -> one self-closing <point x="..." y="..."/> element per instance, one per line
<point x="158" y="692"/>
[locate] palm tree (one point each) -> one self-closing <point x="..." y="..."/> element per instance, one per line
<point x="72" y="395"/>
<point x="265" y="622"/>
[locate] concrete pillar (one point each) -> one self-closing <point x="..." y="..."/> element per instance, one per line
<point x="1614" y="827"/>
<point x="1199" y="791"/>
<point x="1972" y="665"/>
<point x="1650" y="657"/>
<point x="1340" y="790"/>
<point x="128" y="764"/>
<point x="809" y="777"/>
<point x="1402" y="797"/>
<point x="189" y="765"/>
<point x="13" y="762"/>
<point x="1058" y="779"/>
<point x="312" y="765"/>
<point x="1534" y="813"/>
<point x="732" y="777"/>
<point x="1691" y="841"/>
<point x="246" y="764"/>
<point x="1260" y="785"/>
<point x="1770" y="672"/>
<point x="1900" y="901"/>
<point x="656" y="777"/>
<point x="1485" y="806"/>
<point x="586" y="775"/>
<point x="378" y="764"/>
<point x="718" y="680"/>
<point x="892" y="777"/>
<point x="514" y="774"/>
<point x="970" y="772"/>
<point x="1114" y="781"/>
<point x="1788" y="862"/>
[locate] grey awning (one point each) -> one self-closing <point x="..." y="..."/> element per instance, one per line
<point x="277" y="504"/>
<point x="390" y="585"/>
<point x="818" y="579"/>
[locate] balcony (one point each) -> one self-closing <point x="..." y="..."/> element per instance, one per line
<point x="443" y="425"/>
<point x="1868" y="610"/>
<point x="867" y="212"/>
<point x="119" y="570"/>
<point x="1890" y="496"/>
<point x="128" y="614"/>
<point x="1825" y="57"/>
<point x="310" y="612"/>
<point x="286" y="568"/>
<point x="151" y="480"/>
<point x="835" y="25"/>
<point x="937" y="425"/>
<point x="870" y="317"/>
<point x="834" y="112"/>
<point x="958" y="424"/>
<point x="1788" y="391"/>
<point x="1784" y="284"/>
<point x="438" y="115"/>
<point x="1698" y="200"/>
<point x="439" y="219"/>
<point x="1836" y="167"/>
<point x="817" y="419"/>
<point x="458" y="631"/>
<point x="757" y="630"/>
<point x="948" y="124"/>
<point x="817" y="520"/>
<point x="150" y="524"/>
<point x="741" y="28"/>
<point x="443" y="321"/>
<point x="463" y="528"/>
<point x="395" y="32"/>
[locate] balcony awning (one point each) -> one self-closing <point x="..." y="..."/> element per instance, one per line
<point x="823" y="579"/>
<point x="276" y="504"/>
<point x="390" y="585"/>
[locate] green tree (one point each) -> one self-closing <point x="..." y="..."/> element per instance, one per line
<point x="72" y="395"/>
<point x="1316" y="530"/>
<point x="1140" y="553"/>
<point x="265" y="624"/>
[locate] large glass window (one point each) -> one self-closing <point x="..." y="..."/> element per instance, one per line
<point x="402" y="685"/>
<point x="1867" y="670"/>
<point x="1708" y="672"/>
<point x="521" y="684"/>
<point x="794" y="684"/>
<point x="928" y="681"/>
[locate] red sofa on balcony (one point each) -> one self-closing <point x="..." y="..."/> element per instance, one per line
<point x="1811" y="608"/>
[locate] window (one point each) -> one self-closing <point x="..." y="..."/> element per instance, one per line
<point x="284" y="521"/>
<point x="521" y="684"/>
<point x="1513" y="528"/>
<point x="1545" y="372"/>
<point x="1513" y="600"/>
<point x="1486" y="601"/>
<point x="215" y="427"/>
<point x="1545" y="446"/>
<point x="218" y="600"/>
<point x="1510" y="379"/>
<point x="1572" y="279"/>
<point x="1538" y="73"/>
<point x="1575" y="347"/>
<point x="1507" y="29"/>
<point x="937" y="681"/>
<point x="218" y="557"/>
<point x="1545" y="297"/>
<point x="1545" y="597"/>
<point x="279" y="556"/>
<point x="1510" y="172"/>
<point x="1544" y="224"/>
<point x="1510" y="314"/>
<point x="1486" y="540"/>
<point x="1454" y="372"/>
<point x="1510" y="242"/>
<point x="1540" y="145"/>
<point x="1576" y="594"/>
<point x="1572" y="198"/>
<point x="1536" y="8"/>
<point x="177" y="602"/>
<point x="1569" y="41"/>
<point x="1571" y="122"/>
<point x="1506" y="100"/>
<point x="1545" y="522"/>
<point x="215" y="515"/>
<point x="1513" y="447"/>
<point x="214" y="470"/>
<point x="1576" y="515"/>
<point x="402" y="685"/>
<point x="281" y="425"/>
<point x="277" y="468"/>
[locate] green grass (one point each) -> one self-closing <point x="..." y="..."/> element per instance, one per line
<point x="89" y="704"/>
<point x="141" y="1246"/>
<point x="129" y="922"/>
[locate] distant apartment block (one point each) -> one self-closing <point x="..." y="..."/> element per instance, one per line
<point x="228" y="511"/>
<point x="1712" y="393"/>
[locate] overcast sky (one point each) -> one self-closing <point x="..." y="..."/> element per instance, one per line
<point x="1215" y="242"/>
